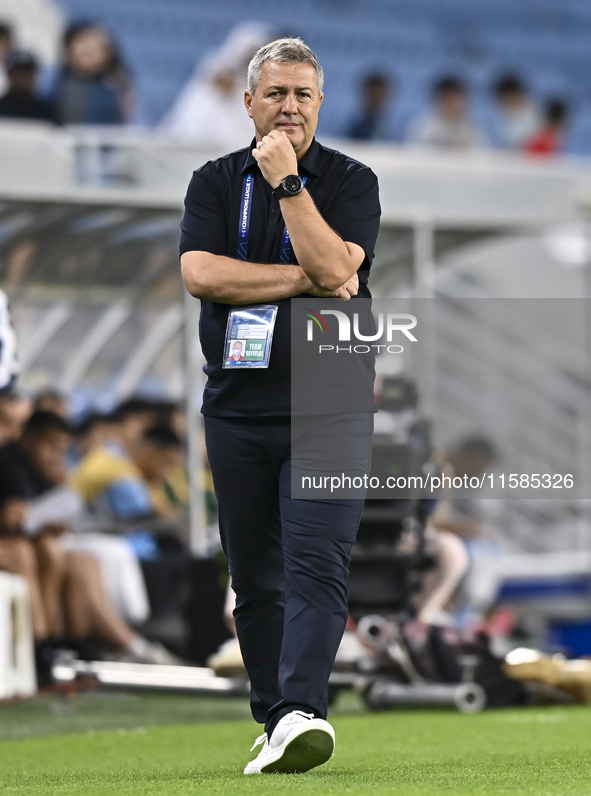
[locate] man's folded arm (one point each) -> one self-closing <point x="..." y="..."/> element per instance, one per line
<point x="327" y="259"/>
<point x="213" y="277"/>
<point x="330" y="268"/>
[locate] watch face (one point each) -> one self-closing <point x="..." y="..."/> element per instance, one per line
<point x="292" y="183"/>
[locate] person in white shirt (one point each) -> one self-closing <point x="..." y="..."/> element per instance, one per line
<point x="517" y="117"/>
<point x="448" y="125"/>
<point x="210" y="108"/>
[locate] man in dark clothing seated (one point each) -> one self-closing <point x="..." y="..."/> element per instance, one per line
<point x="20" y="101"/>
<point x="34" y="464"/>
<point x="28" y="468"/>
<point x="72" y="595"/>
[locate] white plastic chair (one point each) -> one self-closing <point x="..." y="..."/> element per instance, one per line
<point x="17" y="661"/>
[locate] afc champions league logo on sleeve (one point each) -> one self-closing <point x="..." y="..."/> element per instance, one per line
<point x="388" y="324"/>
<point x="244" y="222"/>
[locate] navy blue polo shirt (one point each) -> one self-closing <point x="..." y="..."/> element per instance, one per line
<point x="346" y="195"/>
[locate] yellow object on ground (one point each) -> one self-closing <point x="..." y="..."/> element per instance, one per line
<point x="573" y="677"/>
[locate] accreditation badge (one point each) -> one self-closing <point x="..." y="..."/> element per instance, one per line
<point x="249" y="335"/>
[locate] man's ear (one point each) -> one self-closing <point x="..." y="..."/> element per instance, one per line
<point x="248" y="102"/>
<point x="321" y="98"/>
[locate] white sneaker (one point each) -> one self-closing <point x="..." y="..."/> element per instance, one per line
<point x="299" y="742"/>
<point x="144" y="651"/>
<point x="227" y="661"/>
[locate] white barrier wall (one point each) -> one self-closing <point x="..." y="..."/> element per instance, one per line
<point x="478" y="187"/>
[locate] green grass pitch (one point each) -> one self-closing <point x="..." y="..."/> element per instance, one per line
<point x="541" y="751"/>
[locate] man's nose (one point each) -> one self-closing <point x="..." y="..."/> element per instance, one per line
<point x="289" y="104"/>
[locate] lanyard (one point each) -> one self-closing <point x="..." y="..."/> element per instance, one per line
<point x="244" y="220"/>
<point x="244" y="223"/>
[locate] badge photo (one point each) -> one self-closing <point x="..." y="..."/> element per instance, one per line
<point x="249" y="336"/>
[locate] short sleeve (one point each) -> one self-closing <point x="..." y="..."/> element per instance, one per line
<point x="355" y="212"/>
<point x="128" y="498"/>
<point x="204" y="224"/>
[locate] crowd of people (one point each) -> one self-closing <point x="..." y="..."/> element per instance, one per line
<point x="519" y="123"/>
<point x="81" y="505"/>
<point x="92" y="85"/>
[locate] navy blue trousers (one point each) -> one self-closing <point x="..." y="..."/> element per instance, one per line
<point x="288" y="560"/>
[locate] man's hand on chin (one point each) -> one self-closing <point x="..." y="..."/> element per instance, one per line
<point x="276" y="157"/>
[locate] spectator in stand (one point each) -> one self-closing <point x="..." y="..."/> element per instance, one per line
<point x="448" y="125"/>
<point x="107" y="477"/>
<point x="458" y="515"/>
<point x="135" y="479"/>
<point x="20" y="556"/>
<point x="517" y="117"/>
<point x="132" y="418"/>
<point x="122" y="576"/>
<point x="92" y="433"/>
<point x="5" y="48"/>
<point x="111" y="483"/>
<point x="371" y="123"/>
<point x="15" y="410"/>
<point x="92" y="87"/>
<point x="32" y="475"/>
<point x="113" y="489"/>
<point x="17" y="555"/>
<point x="173" y="414"/>
<point x="450" y="531"/>
<point x="52" y="401"/>
<point x="138" y="473"/>
<point x="210" y="108"/>
<point x="158" y="457"/>
<point x="29" y="467"/>
<point x="549" y="139"/>
<point x="119" y="78"/>
<point x="20" y="100"/>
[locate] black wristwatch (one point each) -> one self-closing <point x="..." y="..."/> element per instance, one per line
<point x="291" y="185"/>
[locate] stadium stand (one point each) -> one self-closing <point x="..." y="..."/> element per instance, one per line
<point x="545" y="43"/>
<point x="89" y="224"/>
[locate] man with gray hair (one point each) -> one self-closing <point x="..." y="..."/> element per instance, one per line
<point x="282" y="218"/>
